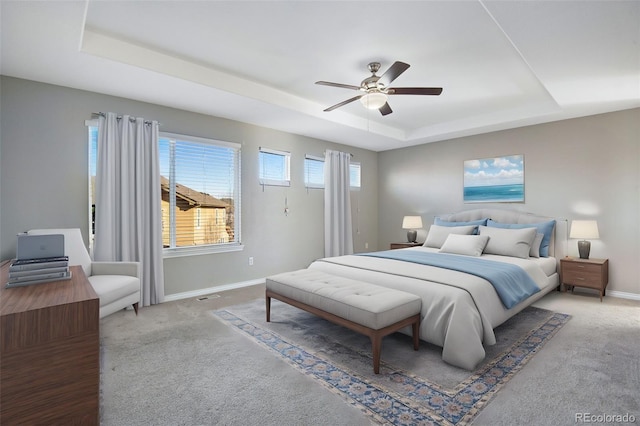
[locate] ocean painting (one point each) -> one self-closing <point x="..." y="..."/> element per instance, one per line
<point x="494" y="180"/>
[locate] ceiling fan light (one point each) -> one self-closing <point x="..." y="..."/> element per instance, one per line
<point x="374" y="100"/>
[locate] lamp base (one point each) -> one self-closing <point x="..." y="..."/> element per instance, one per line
<point x="584" y="247"/>
<point x="412" y="235"/>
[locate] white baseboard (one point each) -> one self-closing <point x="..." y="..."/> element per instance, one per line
<point x="609" y="293"/>
<point x="623" y="295"/>
<point x="210" y="290"/>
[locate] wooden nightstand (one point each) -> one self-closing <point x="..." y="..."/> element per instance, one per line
<point x="394" y="246"/>
<point x="590" y="273"/>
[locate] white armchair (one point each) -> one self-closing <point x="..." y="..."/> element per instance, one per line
<point x="117" y="284"/>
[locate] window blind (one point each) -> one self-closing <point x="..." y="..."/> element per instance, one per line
<point x="200" y="191"/>
<point x="313" y="171"/>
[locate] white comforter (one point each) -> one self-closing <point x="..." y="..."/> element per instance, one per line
<point x="459" y="310"/>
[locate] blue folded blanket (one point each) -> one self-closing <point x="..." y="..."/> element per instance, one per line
<point x="511" y="282"/>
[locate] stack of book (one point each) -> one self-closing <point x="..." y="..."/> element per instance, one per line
<point x="33" y="271"/>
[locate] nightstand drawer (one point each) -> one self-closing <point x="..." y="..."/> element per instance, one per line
<point x="583" y="276"/>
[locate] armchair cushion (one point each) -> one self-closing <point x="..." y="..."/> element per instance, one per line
<point x="110" y="288"/>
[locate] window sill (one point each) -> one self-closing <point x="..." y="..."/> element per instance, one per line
<point x="199" y="250"/>
<point x="274" y="182"/>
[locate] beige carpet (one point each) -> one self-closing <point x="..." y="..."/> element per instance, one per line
<point x="591" y="367"/>
<point x="175" y="364"/>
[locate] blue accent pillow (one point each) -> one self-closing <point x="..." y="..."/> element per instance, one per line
<point x="545" y="228"/>
<point x="479" y="222"/>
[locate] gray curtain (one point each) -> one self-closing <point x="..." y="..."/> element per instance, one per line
<point x="128" y="224"/>
<point x="338" y="237"/>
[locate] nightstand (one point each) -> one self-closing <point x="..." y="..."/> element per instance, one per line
<point x="394" y="246"/>
<point x="589" y="273"/>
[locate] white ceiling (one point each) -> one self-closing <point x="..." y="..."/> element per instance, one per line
<point x="502" y="64"/>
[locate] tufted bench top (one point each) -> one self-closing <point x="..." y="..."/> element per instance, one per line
<point x="367" y="304"/>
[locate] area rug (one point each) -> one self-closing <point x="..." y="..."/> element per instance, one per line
<point x="413" y="388"/>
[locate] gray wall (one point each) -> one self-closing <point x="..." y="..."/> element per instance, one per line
<point x="44" y="182"/>
<point x="581" y="168"/>
<point x="584" y="168"/>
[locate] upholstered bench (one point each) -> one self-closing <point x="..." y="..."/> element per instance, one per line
<point x="368" y="309"/>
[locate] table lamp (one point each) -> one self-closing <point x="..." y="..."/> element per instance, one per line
<point x="584" y="229"/>
<point x="412" y="223"/>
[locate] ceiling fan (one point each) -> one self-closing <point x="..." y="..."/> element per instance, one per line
<point x="376" y="88"/>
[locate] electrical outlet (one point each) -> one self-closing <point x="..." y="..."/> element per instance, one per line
<point x="366" y="245"/>
<point x="251" y="261"/>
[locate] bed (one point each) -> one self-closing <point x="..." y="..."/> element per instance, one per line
<point x="461" y="309"/>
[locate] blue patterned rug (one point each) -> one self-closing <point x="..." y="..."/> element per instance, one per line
<point x="398" y="397"/>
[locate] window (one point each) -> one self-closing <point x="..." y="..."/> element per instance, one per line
<point x="314" y="173"/>
<point x="354" y="175"/>
<point x="92" y="127"/>
<point x="200" y="185"/>
<point x="274" y="167"/>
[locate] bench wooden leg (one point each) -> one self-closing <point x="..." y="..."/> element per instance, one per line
<point x="376" y="344"/>
<point x="268" y="302"/>
<point x="415" y="330"/>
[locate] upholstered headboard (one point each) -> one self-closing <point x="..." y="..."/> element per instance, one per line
<point x="558" y="245"/>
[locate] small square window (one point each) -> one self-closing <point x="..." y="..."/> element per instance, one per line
<point x="274" y="167"/>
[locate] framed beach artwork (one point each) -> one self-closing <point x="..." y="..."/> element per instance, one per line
<point x="494" y="180"/>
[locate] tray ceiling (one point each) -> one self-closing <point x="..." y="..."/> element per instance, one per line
<point x="501" y="64"/>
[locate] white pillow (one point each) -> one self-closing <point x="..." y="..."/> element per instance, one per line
<point x="509" y="242"/>
<point x="535" y="245"/>
<point x="438" y="234"/>
<point x="469" y="245"/>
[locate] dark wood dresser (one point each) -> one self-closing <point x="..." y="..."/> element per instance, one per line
<point x="50" y="352"/>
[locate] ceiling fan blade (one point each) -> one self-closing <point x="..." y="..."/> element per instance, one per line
<point x="385" y="109"/>
<point x="343" y="103"/>
<point x="393" y="72"/>
<point x="344" y="86"/>
<point x="414" y="91"/>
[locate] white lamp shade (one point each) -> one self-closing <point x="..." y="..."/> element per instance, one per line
<point x="373" y="100"/>
<point x="586" y="229"/>
<point x="412" y="222"/>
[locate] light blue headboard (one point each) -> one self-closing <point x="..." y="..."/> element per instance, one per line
<point x="558" y="245"/>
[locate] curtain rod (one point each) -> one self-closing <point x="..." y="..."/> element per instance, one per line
<point x="340" y="151"/>
<point x="119" y="117"/>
